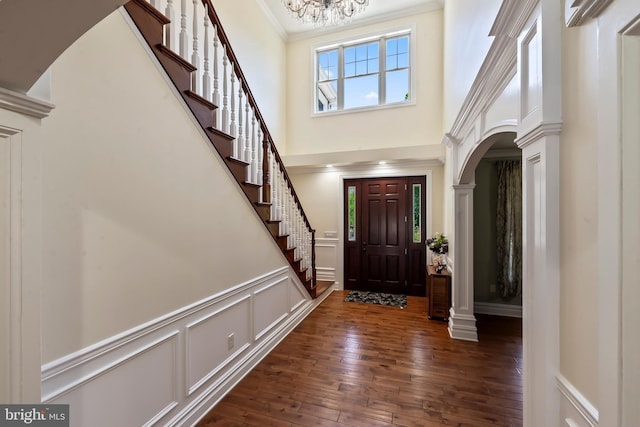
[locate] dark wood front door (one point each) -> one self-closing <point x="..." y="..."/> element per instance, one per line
<point x="384" y="235"/>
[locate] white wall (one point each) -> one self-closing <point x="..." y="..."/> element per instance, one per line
<point x="262" y="56"/>
<point x="466" y="42"/>
<point x="409" y="125"/>
<point x="139" y="216"/>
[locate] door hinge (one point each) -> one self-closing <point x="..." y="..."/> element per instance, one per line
<point x="405" y="187"/>
<point x="405" y="218"/>
<point x="405" y="251"/>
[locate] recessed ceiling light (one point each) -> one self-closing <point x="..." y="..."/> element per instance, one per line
<point x="329" y="166"/>
<point x="382" y="162"/>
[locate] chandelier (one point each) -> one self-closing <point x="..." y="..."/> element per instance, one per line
<point x="321" y="12"/>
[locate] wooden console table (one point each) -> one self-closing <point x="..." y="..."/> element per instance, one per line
<point x="439" y="292"/>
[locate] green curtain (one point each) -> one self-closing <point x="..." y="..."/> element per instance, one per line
<point x="509" y="228"/>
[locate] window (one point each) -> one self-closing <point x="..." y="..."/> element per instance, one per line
<point x="364" y="74"/>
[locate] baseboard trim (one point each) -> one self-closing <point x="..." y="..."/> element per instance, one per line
<point x="578" y="405"/>
<point x="496" y="309"/>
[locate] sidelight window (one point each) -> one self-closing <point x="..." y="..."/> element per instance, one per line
<point x="417" y="212"/>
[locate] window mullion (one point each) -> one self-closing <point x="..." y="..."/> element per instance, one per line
<point x="382" y="84"/>
<point x="340" y="78"/>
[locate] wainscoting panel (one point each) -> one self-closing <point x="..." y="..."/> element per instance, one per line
<point x="215" y="339"/>
<point x="326" y="258"/>
<point x="137" y="390"/>
<point x="575" y="409"/>
<point x="271" y="306"/>
<point x="172" y="370"/>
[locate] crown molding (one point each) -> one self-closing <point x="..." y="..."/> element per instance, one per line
<point x="576" y="12"/>
<point x="24" y="104"/>
<point x="273" y="20"/>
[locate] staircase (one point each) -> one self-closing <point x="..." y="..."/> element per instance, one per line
<point x="200" y="62"/>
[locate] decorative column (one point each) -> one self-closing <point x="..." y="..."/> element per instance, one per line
<point x="21" y="238"/>
<point x="462" y="322"/>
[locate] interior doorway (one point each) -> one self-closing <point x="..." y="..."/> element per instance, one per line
<point x="384" y="235"/>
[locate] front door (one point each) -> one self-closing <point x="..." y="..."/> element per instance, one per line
<point x="384" y="235"/>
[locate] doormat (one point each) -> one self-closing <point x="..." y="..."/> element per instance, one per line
<point x="397" y="300"/>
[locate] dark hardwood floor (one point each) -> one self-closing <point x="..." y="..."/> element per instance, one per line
<point x="351" y="364"/>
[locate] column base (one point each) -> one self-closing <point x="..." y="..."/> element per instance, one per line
<point x="462" y="326"/>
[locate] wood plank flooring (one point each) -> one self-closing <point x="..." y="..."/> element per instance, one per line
<point x="351" y="364"/>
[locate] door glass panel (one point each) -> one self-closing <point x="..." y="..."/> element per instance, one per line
<point x="417" y="213"/>
<point x="351" y="201"/>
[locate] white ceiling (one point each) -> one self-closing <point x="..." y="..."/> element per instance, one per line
<point x="377" y="10"/>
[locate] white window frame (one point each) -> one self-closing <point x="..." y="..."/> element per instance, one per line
<point x="341" y="45"/>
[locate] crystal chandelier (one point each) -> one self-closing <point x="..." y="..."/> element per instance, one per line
<point x="321" y="12"/>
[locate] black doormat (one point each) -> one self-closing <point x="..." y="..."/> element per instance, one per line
<point x="397" y="300"/>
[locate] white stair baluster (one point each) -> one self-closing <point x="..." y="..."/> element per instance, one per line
<point x="171" y="28"/>
<point x="215" y="98"/>
<point x="247" y="142"/>
<point x="239" y="146"/>
<point x="225" y="95"/>
<point x="232" y="125"/>
<point x="254" y="157"/>
<point x="206" y="77"/>
<point x="260" y="160"/>
<point x="183" y="29"/>
<point x="195" y="54"/>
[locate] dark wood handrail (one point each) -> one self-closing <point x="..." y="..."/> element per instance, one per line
<point x="222" y="36"/>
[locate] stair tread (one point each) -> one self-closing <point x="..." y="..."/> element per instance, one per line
<point x="176" y="57"/>
<point x="221" y="133"/>
<point x="239" y="161"/>
<point x="210" y="105"/>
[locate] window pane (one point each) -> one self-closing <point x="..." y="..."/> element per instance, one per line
<point x="417" y="213"/>
<point x="350" y="69"/>
<point x="397" y="86"/>
<point x="403" y="60"/>
<point x="328" y="96"/>
<point x="361" y="53"/>
<point x="327" y="65"/>
<point x="403" y="44"/>
<point x="392" y="47"/>
<point x="361" y="91"/>
<point x="351" y="196"/>
<point x="333" y="58"/>
<point x="397" y="53"/>
<point x="349" y="54"/>
<point x="372" y="65"/>
<point x="361" y="68"/>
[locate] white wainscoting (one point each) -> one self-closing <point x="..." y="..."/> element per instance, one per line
<point x="497" y="309"/>
<point x="172" y="370"/>
<point x="326" y="258"/>
<point x="575" y="409"/>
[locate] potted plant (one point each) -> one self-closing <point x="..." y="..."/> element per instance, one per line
<point x="439" y="246"/>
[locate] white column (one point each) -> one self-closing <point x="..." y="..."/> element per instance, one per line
<point x="540" y="273"/>
<point x="462" y="322"/>
<point x="21" y="246"/>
